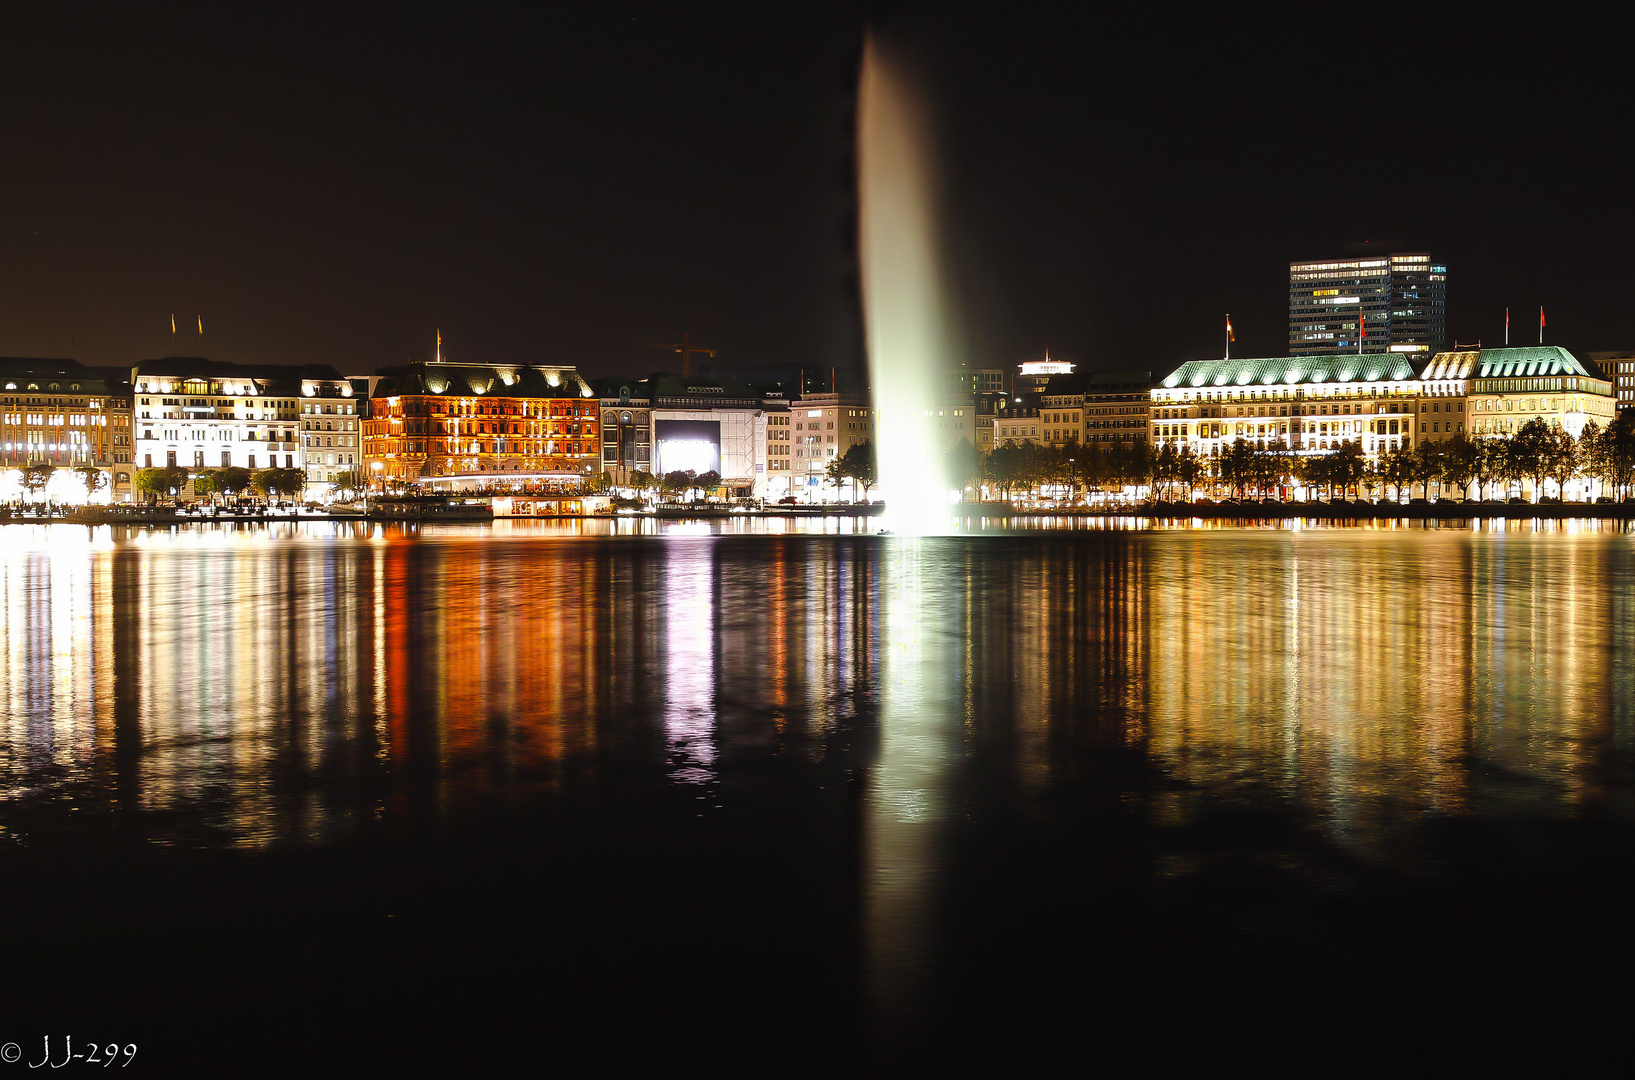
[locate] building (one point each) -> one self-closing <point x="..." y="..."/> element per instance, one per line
<point x="1619" y="368"/>
<point x="1382" y="401"/>
<point x="1309" y="404"/>
<point x="331" y="427"/>
<point x="989" y="408"/>
<point x="443" y="424"/>
<point x="1104" y="407"/>
<point x="1117" y="406"/>
<point x="1051" y="415"/>
<point x="1374" y="303"/>
<point x="200" y="414"/>
<point x="825" y="426"/>
<point x="1509" y="387"/>
<point x="627" y="431"/>
<point x="780" y="452"/>
<point x="1032" y="375"/>
<point x="65" y="415"/>
<point x="668" y="423"/>
<point x="977" y="381"/>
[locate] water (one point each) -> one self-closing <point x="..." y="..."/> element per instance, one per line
<point x="811" y="798"/>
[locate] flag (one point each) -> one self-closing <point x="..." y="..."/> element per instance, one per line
<point x="201" y="325"/>
<point x="1229" y="335"/>
<point x="1541" y="318"/>
<point x="1507" y="318"/>
<point x="173" y="324"/>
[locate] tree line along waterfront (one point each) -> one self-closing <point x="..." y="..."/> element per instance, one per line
<point x="1538" y="463"/>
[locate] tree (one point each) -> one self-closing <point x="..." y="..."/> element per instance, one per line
<point x="159" y="483"/>
<point x="350" y="482"/>
<point x="1349" y="464"/>
<point x="1592" y="451"/>
<point x="1425" y="466"/>
<point x="1460" y="457"/>
<point x="37" y="476"/>
<point x="599" y="483"/>
<point x="858" y="465"/>
<point x="1237" y="466"/>
<point x="707" y="482"/>
<point x="93" y="478"/>
<point x="1490" y="464"/>
<point x="1396" y="469"/>
<point x="1003" y="468"/>
<point x="207" y="483"/>
<point x="269" y="483"/>
<point x="1618" y="454"/>
<point x="1531" y="450"/>
<point x="1564" y="460"/>
<point x="961" y="464"/>
<point x="677" y="481"/>
<point x="233" y="480"/>
<point x="644" y="481"/>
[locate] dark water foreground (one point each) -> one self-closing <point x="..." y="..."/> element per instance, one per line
<point x="1274" y="799"/>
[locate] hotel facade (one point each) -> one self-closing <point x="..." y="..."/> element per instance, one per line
<point x="1381" y="401"/>
<point x="448" y="425"/>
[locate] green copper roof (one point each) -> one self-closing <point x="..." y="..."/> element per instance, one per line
<point x="1288" y="370"/>
<point x="1528" y="360"/>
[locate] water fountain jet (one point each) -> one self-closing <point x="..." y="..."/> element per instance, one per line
<point x="904" y="318"/>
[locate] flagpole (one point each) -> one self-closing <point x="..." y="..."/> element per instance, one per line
<point x="1541" y="324"/>
<point x="1228" y="336"/>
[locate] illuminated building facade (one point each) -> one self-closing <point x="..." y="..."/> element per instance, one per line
<point x="480" y="423"/>
<point x="1383" y="303"/>
<point x="1033" y="375"/>
<point x="1619" y="368"/>
<point x="825" y="426"/>
<point x="1106" y="408"/>
<point x="1509" y="387"/>
<point x="668" y="423"/>
<point x="1382" y="401"/>
<point x="331" y="427"/>
<point x="207" y="414"/>
<point x="1117" y="406"/>
<point x="780" y="452"/>
<point x="1307" y="403"/>
<point x="63" y="414"/>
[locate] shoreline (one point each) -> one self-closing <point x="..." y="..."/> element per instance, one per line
<point x="1165" y="511"/>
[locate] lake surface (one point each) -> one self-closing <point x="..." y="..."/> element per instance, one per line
<point x="796" y="795"/>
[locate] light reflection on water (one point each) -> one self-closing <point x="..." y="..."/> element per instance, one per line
<point x="251" y="685"/>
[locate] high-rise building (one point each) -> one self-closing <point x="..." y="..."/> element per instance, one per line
<point x="1392" y="302"/>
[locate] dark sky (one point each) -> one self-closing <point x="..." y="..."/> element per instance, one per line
<point x="558" y="185"/>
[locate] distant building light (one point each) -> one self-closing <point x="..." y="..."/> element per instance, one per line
<point x="1047" y="367"/>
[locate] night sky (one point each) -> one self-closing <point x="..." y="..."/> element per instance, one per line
<point x="561" y="186"/>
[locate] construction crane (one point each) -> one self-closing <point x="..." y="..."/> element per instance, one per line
<point x="686" y="348"/>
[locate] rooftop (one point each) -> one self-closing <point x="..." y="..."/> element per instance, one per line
<point x="1288" y="370"/>
<point x="466" y="380"/>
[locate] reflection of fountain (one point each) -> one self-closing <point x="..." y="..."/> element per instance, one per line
<point x="902" y="303"/>
<point x="919" y="711"/>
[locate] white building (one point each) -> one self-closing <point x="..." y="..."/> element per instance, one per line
<point x="205" y="414"/>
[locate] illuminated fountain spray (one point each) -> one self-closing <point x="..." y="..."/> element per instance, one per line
<point x="902" y="295"/>
<point x="906" y="803"/>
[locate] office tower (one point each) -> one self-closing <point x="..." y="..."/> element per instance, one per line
<point x="1373" y="302"/>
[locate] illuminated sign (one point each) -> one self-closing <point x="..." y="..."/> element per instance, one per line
<point x="688" y="445"/>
